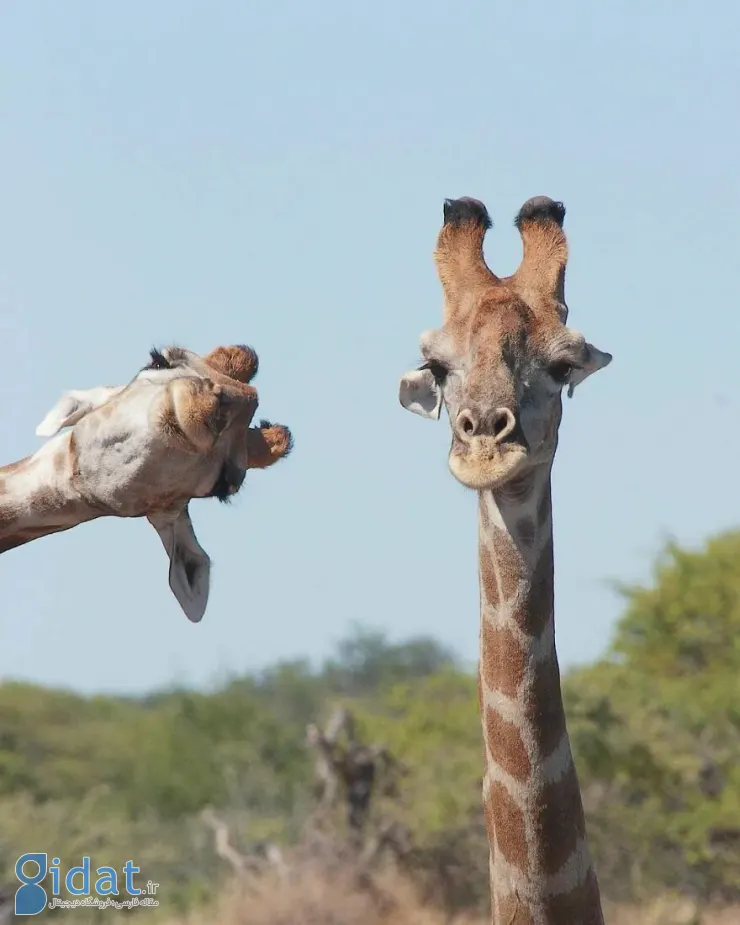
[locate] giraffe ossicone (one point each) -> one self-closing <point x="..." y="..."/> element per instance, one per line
<point x="180" y="429"/>
<point x="498" y="365"/>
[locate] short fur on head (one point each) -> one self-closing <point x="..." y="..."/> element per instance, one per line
<point x="179" y="430"/>
<point x="500" y="360"/>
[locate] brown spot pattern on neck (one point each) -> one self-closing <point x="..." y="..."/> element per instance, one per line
<point x="533" y="807"/>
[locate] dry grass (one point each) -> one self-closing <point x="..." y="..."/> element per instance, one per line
<point x="670" y="911"/>
<point x="310" y="899"/>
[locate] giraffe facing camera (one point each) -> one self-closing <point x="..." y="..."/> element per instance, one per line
<point x="505" y="338"/>
<point x="180" y="429"/>
<point x="498" y="365"/>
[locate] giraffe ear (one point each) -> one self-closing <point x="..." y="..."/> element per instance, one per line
<point x="595" y="359"/>
<point x="73" y="406"/>
<point x="190" y="566"/>
<point x="421" y="394"/>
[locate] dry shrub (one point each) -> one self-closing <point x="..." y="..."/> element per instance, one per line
<point x="308" y="898"/>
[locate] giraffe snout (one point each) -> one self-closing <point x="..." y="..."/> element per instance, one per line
<point x="500" y="425"/>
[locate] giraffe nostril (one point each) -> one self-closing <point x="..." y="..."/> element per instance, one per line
<point x="467" y="425"/>
<point x="504" y="423"/>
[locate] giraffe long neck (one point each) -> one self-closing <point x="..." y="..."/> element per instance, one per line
<point x="540" y="867"/>
<point x="37" y="498"/>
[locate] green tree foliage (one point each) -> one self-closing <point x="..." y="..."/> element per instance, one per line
<point x="432" y="725"/>
<point x="366" y="662"/>
<point x="121" y="776"/>
<point x="656" y="726"/>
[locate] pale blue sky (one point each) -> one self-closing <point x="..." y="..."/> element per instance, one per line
<point x="274" y="173"/>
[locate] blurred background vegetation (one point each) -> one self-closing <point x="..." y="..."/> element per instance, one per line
<point x="655" y="726"/>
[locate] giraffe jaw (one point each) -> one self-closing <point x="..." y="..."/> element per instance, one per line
<point x="483" y="465"/>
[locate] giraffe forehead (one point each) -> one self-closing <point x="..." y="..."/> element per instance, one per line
<point x="514" y="330"/>
<point x="498" y="332"/>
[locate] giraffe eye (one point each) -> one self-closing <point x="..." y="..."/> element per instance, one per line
<point x="158" y="360"/>
<point x="560" y="372"/>
<point x="437" y="370"/>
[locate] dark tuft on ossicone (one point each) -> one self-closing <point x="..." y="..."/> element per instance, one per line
<point x="541" y="209"/>
<point x="466" y="211"/>
<point x="289" y="448"/>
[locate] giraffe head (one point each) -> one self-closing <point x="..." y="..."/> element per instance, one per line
<point x="186" y="414"/>
<point x="180" y="429"/>
<point x="504" y="352"/>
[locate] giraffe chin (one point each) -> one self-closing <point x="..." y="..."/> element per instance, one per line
<point x="481" y="469"/>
